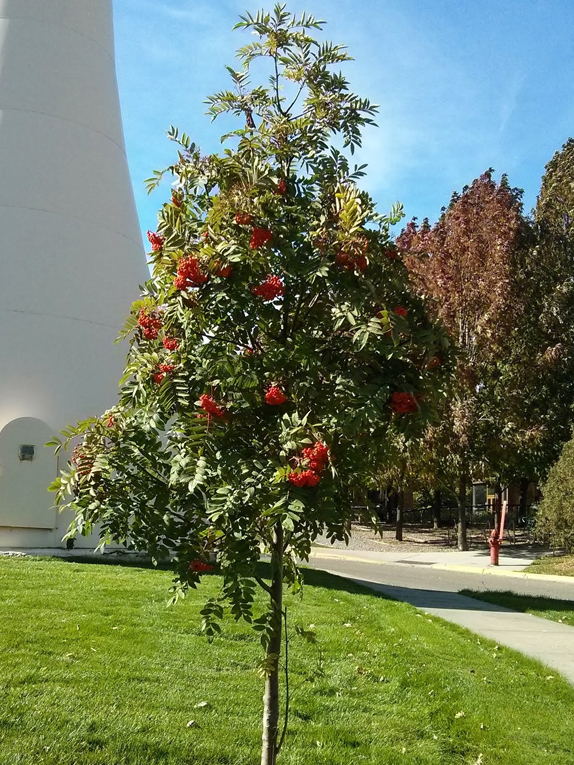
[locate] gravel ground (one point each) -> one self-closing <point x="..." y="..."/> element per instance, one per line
<point x="415" y="539"/>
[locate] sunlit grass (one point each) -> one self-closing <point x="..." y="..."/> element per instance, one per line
<point x="94" y="670"/>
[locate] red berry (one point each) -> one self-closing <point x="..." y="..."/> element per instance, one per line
<point x="199" y="565"/>
<point x="223" y="271"/>
<point x="403" y="403"/>
<point x="156" y="240"/>
<point x="151" y="324"/>
<point x="271" y="288"/>
<point x="434" y="362"/>
<point x="259" y="237"/>
<point x="189" y="273"/>
<point x="170" y="343"/>
<point x="175" y="199"/>
<point x="275" y="396"/>
<point x="207" y="403"/>
<point x="158" y="377"/>
<point x="400" y="310"/>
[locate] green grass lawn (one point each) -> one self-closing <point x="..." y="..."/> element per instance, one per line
<point x="562" y="565"/>
<point x="95" y="670"/>
<point x="548" y="608"/>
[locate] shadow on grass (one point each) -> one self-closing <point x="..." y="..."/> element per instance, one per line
<point x="313" y="577"/>
<point x="523" y="603"/>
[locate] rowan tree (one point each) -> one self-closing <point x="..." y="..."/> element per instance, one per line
<point x="275" y="353"/>
<point x="467" y="265"/>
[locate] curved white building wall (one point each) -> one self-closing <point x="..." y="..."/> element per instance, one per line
<point x="71" y="257"/>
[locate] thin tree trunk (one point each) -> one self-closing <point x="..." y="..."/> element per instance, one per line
<point x="462" y="536"/>
<point x="271" y="696"/>
<point x="436" y="508"/>
<point x="498" y="505"/>
<point x="399" y="518"/>
<point x="523" y="506"/>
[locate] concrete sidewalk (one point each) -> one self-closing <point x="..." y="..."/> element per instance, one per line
<point x="512" y="560"/>
<point x="550" y="642"/>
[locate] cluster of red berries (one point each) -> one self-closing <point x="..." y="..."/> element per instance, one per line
<point x="400" y="310"/>
<point x="391" y="253"/>
<point x="199" y="565"/>
<point x="259" y="237"/>
<point x="150" y="323"/>
<point x="316" y="457"/>
<point x="170" y="343"/>
<point x="189" y="274"/>
<point x="111" y="421"/>
<point x="353" y="254"/>
<point x="271" y="288"/>
<point x="211" y="407"/>
<point x="404" y="403"/>
<point x="275" y="396"/>
<point x="223" y="271"/>
<point x="164" y="369"/>
<point x="434" y="362"/>
<point x="281" y="187"/>
<point x="243" y="219"/>
<point x="156" y="240"/>
<point x="305" y="478"/>
<point x="176" y="200"/>
<point x="350" y="262"/>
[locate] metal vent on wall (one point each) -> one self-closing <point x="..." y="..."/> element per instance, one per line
<point x="26" y="453"/>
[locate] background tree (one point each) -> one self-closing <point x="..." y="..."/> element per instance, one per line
<point x="276" y="352"/>
<point x="555" y="520"/>
<point x="534" y="384"/>
<point x="553" y="264"/>
<point x="467" y="265"/>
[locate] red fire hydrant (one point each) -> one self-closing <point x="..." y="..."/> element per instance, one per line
<point x="494" y="544"/>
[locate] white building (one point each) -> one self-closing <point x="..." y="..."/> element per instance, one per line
<point x="71" y="256"/>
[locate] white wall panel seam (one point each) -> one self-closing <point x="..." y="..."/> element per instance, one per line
<point x="104" y="50"/>
<point x="61" y="316"/>
<point x="64" y="119"/>
<point x="75" y="217"/>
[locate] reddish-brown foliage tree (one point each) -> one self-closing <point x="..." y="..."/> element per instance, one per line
<point x="467" y="264"/>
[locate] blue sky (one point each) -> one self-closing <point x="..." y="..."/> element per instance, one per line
<point x="462" y="86"/>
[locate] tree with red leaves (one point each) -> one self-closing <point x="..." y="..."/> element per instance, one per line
<point x="467" y="264"/>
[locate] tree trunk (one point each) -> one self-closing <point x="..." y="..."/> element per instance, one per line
<point x="399" y="518"/>
<point x="462" y="537"/>
<point x="498" y="505"/>
<point x="436" y="508"/>
<point x="523" y="506"/>
<point x="273" y="653"/>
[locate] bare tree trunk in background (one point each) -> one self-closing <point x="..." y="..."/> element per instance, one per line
<point x="398" y="499"/>
<point x="523" y="506"/>
<point x="273" y="653"/>
<point x="498" y="505"/>
<point x="462" y="536"/>
<point x="436" y="508"/>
